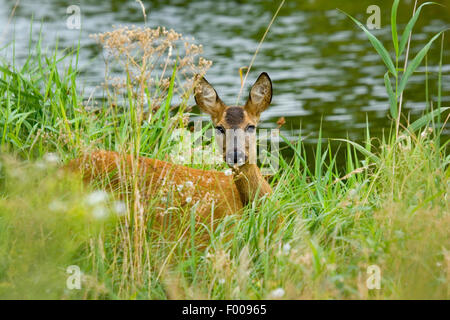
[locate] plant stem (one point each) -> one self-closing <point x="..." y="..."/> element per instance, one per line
<point x="257" y="50"/>
<point x="397" y="126"/>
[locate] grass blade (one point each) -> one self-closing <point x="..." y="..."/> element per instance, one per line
<point x="410" y="26"/>
<point x="415" y="63"/>
<point x="381" y="50"/>
<point x="392" y="97"/>
<point x="439" y="98"/>
<point x="424" y="120"/>
<point x="394" y="26"/>
<point x="361" y="149"/>
<point x="170" y="92"/>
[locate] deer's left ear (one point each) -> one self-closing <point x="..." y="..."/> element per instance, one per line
<point x="207" y="99"/>
<point x="260" y="95"/>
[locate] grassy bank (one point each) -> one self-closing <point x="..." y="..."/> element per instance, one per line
<point x="315" y="238"/>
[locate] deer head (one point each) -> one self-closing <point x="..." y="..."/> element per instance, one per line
<point x="235" y="125"/>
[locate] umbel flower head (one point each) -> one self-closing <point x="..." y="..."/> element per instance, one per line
<point x="145" y="58"/>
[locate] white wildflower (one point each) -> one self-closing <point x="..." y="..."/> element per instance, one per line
<point x="51" y="158"/>
<point x="189" y="184"/>
<point x="57" y="205"/>
<point x="286" y="248"/>
<point x="228" y="172"/>
<point x="176" y="135"/>
<point x="40" y="165"/>
<point x="99" y="212"/>
<point x="221" y="281"/>
<point x="331" y="267"/>
<point x="120" y="208"/>
<point x="277" y="293"/>
<point x="188" y="199"/>
<point x="96" y="197"/>
<point x="426" y="132"/>
<point x="180" y="187"/>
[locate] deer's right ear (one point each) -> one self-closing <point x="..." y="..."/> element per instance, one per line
<point x="260" y="95"/>
<point x="207" y="99"/>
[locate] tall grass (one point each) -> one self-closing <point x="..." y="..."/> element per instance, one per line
<point x="314" y="238"/>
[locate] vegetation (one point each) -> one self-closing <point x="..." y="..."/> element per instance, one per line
<point x="313" y="239"/>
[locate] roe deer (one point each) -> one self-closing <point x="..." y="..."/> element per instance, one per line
<point x="212" y="192"/>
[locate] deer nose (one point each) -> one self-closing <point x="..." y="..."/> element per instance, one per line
<point x="235" y="157"/>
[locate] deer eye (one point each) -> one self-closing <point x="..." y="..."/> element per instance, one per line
<point x="220" y="129"/>
<point x="250" y="129"/>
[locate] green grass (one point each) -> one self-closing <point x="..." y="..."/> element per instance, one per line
<point x="314" y="238"/>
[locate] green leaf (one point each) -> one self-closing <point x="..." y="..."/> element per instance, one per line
<point x="381" y="50"/>
<point x="394" y="25"/>
<point x="297" y="152"/>
<point x="415" y="63"/>
<point x="361" y="149"/>
<point x="170" y="92"/>
<point x="392" y="97"/>
<point x="424" y="120"/>
<point x="410" y="26"/>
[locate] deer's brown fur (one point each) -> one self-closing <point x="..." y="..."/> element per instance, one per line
<point x="177" y="185"/>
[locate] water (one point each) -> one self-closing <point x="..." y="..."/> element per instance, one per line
<point x="325" y="72"/>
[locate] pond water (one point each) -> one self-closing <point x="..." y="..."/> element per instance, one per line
<point x="324" y="70"/>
